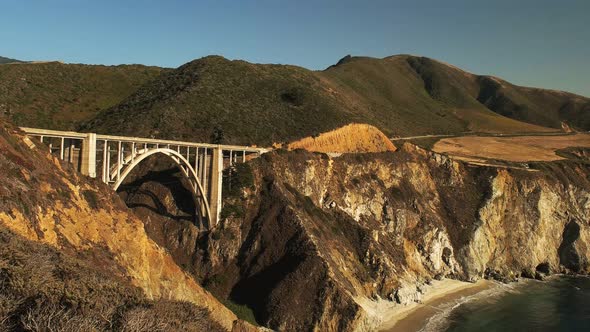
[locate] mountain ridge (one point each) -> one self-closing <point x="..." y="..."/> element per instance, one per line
<point x="58" y="96"/>
<point x="267" y="103"/>
<point x="4" y="60"/>
<point x="492" y="76"/>
<point x="262" y="104"/>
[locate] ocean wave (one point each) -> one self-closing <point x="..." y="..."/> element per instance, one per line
<point x="440" y="321"/>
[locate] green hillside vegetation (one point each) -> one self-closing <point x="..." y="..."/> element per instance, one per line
<point x="414" y="96"/>
<point x="250" y="103"/>
<point x="538" y="106"/>
<point x="4" y="60"/>
<point x="532" y="105"/>
<point x="264" y="104"/>
<point x="59" y="96"/>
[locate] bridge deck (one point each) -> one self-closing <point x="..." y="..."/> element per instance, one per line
<point x="77" y="135"/>
<point x="114" y="157"/>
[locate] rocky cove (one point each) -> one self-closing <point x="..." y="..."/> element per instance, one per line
<point x="313" y="242"/>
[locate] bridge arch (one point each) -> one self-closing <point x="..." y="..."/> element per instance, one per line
<point x="84" y="151"/>
<point x="189" y="173"/>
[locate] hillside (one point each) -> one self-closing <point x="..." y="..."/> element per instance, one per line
<point x="425" y="92"/>
<point x="400" y="95"/>
<point x="4" y="60"/>
<point x="73" y="257"/>
<point x="251" y="103"/>
<point x="532" y="105"/>
<point x="58" y="96"/>
<point x="263" y="104"/>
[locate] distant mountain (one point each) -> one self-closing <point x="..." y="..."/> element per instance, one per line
<point x="8" y="60"/>
<point x="60" y="96"/>
<point x="469" y="97"/>
<point x="262" y="104"/>
<point x="401" y="95"/>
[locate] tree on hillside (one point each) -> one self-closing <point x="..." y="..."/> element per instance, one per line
<point x="217" y="137"/>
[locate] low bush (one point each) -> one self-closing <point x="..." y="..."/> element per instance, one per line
<point x="42" y="289"/>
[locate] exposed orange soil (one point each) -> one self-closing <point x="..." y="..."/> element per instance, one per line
<point x="516" y="149"/>
<point x="348" y="139"/>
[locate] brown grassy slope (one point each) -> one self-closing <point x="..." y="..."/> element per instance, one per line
<point x="42" y="202"/>
<point x="46" y="289"/>
<point x="517" y="149"/>
<point x="262" y="104"/>
<point x="351" y="138"/>
<point x="58" y="96"/>
<point x="423" y="95"/>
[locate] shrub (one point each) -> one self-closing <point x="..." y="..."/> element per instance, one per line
<point x="229" y="210"/>
<point x="91" y="197"/>
<point x="42" y="289"/>
<point x="242" y="311"/>
<point x="236" y="178"/>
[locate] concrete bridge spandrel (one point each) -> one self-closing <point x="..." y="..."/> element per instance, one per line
<point x="112" y="158"/>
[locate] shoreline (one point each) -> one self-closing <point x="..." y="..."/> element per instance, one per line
<point x="414" y="316"/>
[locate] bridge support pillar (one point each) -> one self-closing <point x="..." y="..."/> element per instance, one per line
<point x="88" y="164"/>
<point x="206" y="175"/>
<point x="216" y="185"/>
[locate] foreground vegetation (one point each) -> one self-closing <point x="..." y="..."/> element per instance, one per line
<point x="42" y="289"/>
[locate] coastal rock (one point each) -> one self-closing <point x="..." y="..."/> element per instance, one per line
<point x="569" y="255"/>
<point x="407" y="294"/>
<point x="361" y="228"/>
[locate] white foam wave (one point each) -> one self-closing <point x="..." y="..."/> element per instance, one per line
<point x="440" y="321"/>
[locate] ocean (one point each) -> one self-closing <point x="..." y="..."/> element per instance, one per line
<point x="558" y="304"/>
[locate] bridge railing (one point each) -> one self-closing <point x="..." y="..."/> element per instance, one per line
<point x="111" y="157"/>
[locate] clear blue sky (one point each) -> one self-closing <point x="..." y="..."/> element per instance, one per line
<point x="536" y="43"/>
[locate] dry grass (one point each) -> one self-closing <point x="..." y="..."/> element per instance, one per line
<point x="53" y="317"/>
<point x="42" y="289"/>
<point x="515" y="149"/>
<point x="351" y="138"/>
<point x="485" y="121"/>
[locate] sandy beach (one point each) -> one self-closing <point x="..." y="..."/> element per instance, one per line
<point x="414" y="316"/>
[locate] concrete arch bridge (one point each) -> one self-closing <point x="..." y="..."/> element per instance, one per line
<point x="112" y="158"/>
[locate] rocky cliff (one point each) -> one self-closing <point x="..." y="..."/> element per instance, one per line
<point x="307" y="241"/>
<point x="318" y="243"/>
<point x="85" y="244"/>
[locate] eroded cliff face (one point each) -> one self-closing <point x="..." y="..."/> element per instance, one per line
<point x="321" y="243"/>
<point x="324" y="241"/>
<point x="41" y="201"/>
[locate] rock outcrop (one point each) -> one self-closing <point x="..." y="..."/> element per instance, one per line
<point x="322" y="239"/>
